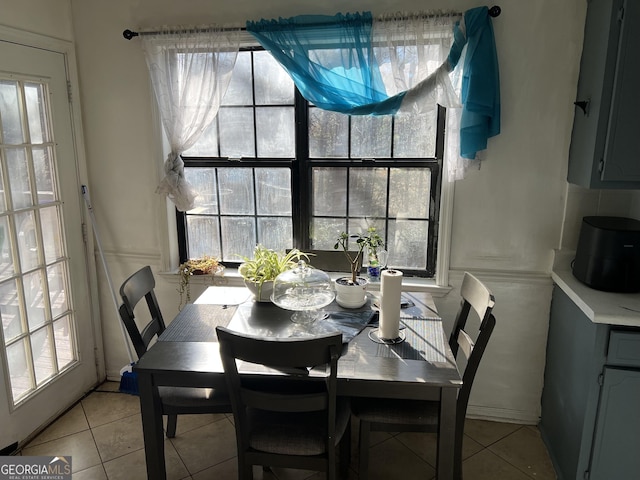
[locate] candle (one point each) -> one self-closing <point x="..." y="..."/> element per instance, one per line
<point x="390" y="293"/>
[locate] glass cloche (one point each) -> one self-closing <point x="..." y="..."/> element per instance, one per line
<point x="305" y="290"/>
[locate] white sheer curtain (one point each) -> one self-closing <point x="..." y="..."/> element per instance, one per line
<point x="412" y="51"/>
<point x="190" y="71"/>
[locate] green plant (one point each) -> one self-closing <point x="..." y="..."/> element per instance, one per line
<point x="267" y="264"/>
<point x="195" y="266"/>
<point x="370" y="240"/>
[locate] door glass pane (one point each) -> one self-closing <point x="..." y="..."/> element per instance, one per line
<point x="6" y="257"/>
<point x="34" y="300"/>
<point x="51" y="233"/>
<point x="27" y="240"/>
<point x="57" y="290"/>
<point x="38" y="293"/>
<point x="19" y="369"/>
<point x="10" y="108"/>
<point x="43" y="361"/>
<point x="44" y="182"/>
<point x="19" y="177"/>
<point x="33" y="94"/>
<point x="10" y="310"/>
<point x="63" y="342"/>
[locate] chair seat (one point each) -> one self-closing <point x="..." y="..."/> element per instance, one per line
<point x="196" y="399"/>
<point x="395" y="411"/>
<point x="295" y="433"/>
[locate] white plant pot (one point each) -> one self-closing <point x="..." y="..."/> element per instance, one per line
<point x="260" y="294"/>
<point x="349" y="295"/>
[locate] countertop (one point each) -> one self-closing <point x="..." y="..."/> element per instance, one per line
<point x="598" y="306"/>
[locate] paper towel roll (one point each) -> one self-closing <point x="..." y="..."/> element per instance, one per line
<point x="390" y="293"/>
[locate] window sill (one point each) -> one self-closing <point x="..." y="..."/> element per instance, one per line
<point x="232" y="278"/>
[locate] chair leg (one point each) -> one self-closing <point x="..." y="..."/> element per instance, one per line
<point x="345" y="451"/>
<point x="172" y="422"/>
<point x="363" y="447"/>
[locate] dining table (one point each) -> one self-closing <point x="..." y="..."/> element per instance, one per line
<point x="418" y="365"/>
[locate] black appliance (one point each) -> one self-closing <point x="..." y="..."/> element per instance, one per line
<point x="608" y="254"/>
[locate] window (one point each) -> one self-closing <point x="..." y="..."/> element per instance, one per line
<point x="275" y="170"/>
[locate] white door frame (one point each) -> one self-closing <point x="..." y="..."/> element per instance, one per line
<point x="66" y="48"/>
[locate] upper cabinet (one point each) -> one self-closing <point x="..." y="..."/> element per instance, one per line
<point x="605" y="142"/>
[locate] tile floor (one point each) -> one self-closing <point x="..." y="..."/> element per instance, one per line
<point x="103" y="434"/>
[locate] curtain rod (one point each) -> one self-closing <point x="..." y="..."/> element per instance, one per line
<point x="129" y="34"/>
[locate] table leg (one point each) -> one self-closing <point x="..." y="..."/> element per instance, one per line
<point x="446" y="434"/>
<point x="151" y="411"/>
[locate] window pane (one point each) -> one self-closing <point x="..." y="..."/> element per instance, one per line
<point x="64" y="342"/>
<point x="10" y="310"/>
<point x="207" y="143"/>
<point x="273" y="188"/>
<point x="329" y="191"/>
<point x="239" y="233"/>
<point x="368" y="192"/>
<point x="204" y="236"/>
<point x="44" y="181"/>
<point x="52" y="234"/>
<point x="239" y="91"/>
<point x="57" y="289"/>
<point x="414" y="136"/>
<point x="275" y="132"/>
<point x="236" y="132"/>
<point x="10" y="113"/>
<point x="407" y="244"/>
<point x="19" y="177"/>
<point x="35" y="112"/>
<point x="409" y="193"/>
<point x="236" y="191"/>
<point x="275" y="233"/>
<point x="325" y="231"/>
<point x="328" y="134"/>
<point x="370" y="136"/>
<point x="3" y="201"/>
<point x="6" y="256"/>
<point x="203" y="181"/>
<point x="273" y="85"/>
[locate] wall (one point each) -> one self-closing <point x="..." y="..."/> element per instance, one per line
<point x="508" y="216"/>
<point x="53" y="17"/>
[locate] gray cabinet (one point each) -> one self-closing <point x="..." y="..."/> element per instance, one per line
<point x="590" y="417"/>
<point x="605" y="142"/>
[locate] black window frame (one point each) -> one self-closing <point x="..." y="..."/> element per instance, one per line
<point x="301" y="180"/>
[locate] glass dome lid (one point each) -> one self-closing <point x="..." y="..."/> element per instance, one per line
<point x="305" y="290"/>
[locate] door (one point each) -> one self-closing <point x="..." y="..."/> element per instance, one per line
<point x="47" y="341"/>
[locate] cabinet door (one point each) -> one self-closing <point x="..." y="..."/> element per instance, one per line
<point x="617" y="437"/>
<point x="622" y="149"/>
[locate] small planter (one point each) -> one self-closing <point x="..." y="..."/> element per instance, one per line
<point x="350" y="295"/>
<point x="260" y="294"/>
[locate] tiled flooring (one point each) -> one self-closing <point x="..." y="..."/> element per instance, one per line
<point x="103" y="435"/>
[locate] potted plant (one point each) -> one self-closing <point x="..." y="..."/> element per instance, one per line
<point x="351" y="291"/>
<point x="196" y="266"/>
<point x="260" y="271"/>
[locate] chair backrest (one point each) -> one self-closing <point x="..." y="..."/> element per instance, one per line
<point x="293" y="357"/>
<point x="477" y="297"/>
<point x="138" y="286"/>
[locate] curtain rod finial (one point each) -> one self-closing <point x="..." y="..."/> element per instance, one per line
<point x="495" y="11"/>
<point x="128" y="34"/>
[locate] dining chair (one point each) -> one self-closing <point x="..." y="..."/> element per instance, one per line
<point x="290" y="420"/>
<point x="175" y="400"/>
<point x="393" y="415"/>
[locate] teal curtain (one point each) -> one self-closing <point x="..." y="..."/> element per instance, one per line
<point x="331" y="61"/>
